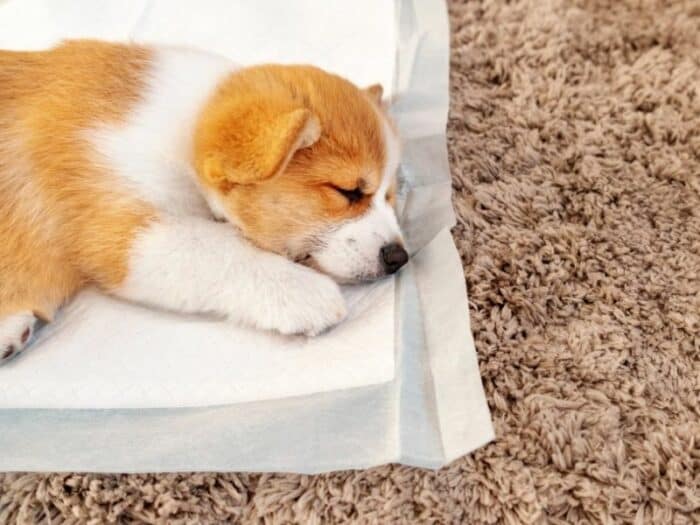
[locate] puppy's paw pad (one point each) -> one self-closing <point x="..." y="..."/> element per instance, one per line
<point x="16" y="331"/>
<point x="8" y="352"/>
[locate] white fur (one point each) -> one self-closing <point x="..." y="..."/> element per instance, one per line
<point x="12" y="328"/>
<point x="196" y="265"/>
<point x="351" y="252"/>
<point x="184" y="261"/>
<point x="152" y="153"/>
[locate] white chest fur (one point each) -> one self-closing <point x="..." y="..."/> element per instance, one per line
<point x="152" y="151"/>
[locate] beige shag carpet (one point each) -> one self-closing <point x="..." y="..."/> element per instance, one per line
<point x="575" y="145"/>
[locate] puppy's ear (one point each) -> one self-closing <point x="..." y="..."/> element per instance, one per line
<point x="375" y="93"/>
<point x="249" y="139"/>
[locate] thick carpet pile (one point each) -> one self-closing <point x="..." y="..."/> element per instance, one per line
<point x="574" y="138"/>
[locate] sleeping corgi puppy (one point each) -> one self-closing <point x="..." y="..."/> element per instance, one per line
<point x="172" y="178"/>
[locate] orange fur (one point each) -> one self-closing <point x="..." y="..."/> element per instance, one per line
<point x="62" y="221"/>
<point x="348" y="154"/>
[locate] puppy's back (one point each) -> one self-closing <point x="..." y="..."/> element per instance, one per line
<point x="53" y="196"/>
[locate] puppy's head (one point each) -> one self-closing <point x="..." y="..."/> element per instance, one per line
<point x="304" y="164"/>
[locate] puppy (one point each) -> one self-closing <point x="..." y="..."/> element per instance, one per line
<point x="173" y="178"/>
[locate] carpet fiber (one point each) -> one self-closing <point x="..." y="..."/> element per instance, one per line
<point x="574" y="138"/>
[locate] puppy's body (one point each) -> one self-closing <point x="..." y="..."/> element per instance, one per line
<point x="115" y="159"/>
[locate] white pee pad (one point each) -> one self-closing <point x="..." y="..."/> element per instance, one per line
<point x="428" y="410"/>
<point x="105" y="353"/>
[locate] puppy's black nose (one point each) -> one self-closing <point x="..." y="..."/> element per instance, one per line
<point x="393" y="257"/>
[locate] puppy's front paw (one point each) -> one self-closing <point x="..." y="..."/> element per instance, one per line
<point x="15" y="332"/>
<point x="304" y="302"/>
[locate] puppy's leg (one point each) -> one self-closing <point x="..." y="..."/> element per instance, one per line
<point x="16" y="331"/>
<point x="35" y="279"/>
<point x="195" y="265"/>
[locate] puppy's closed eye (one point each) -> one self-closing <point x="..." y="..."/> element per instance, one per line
<point x="352" y="196"/>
